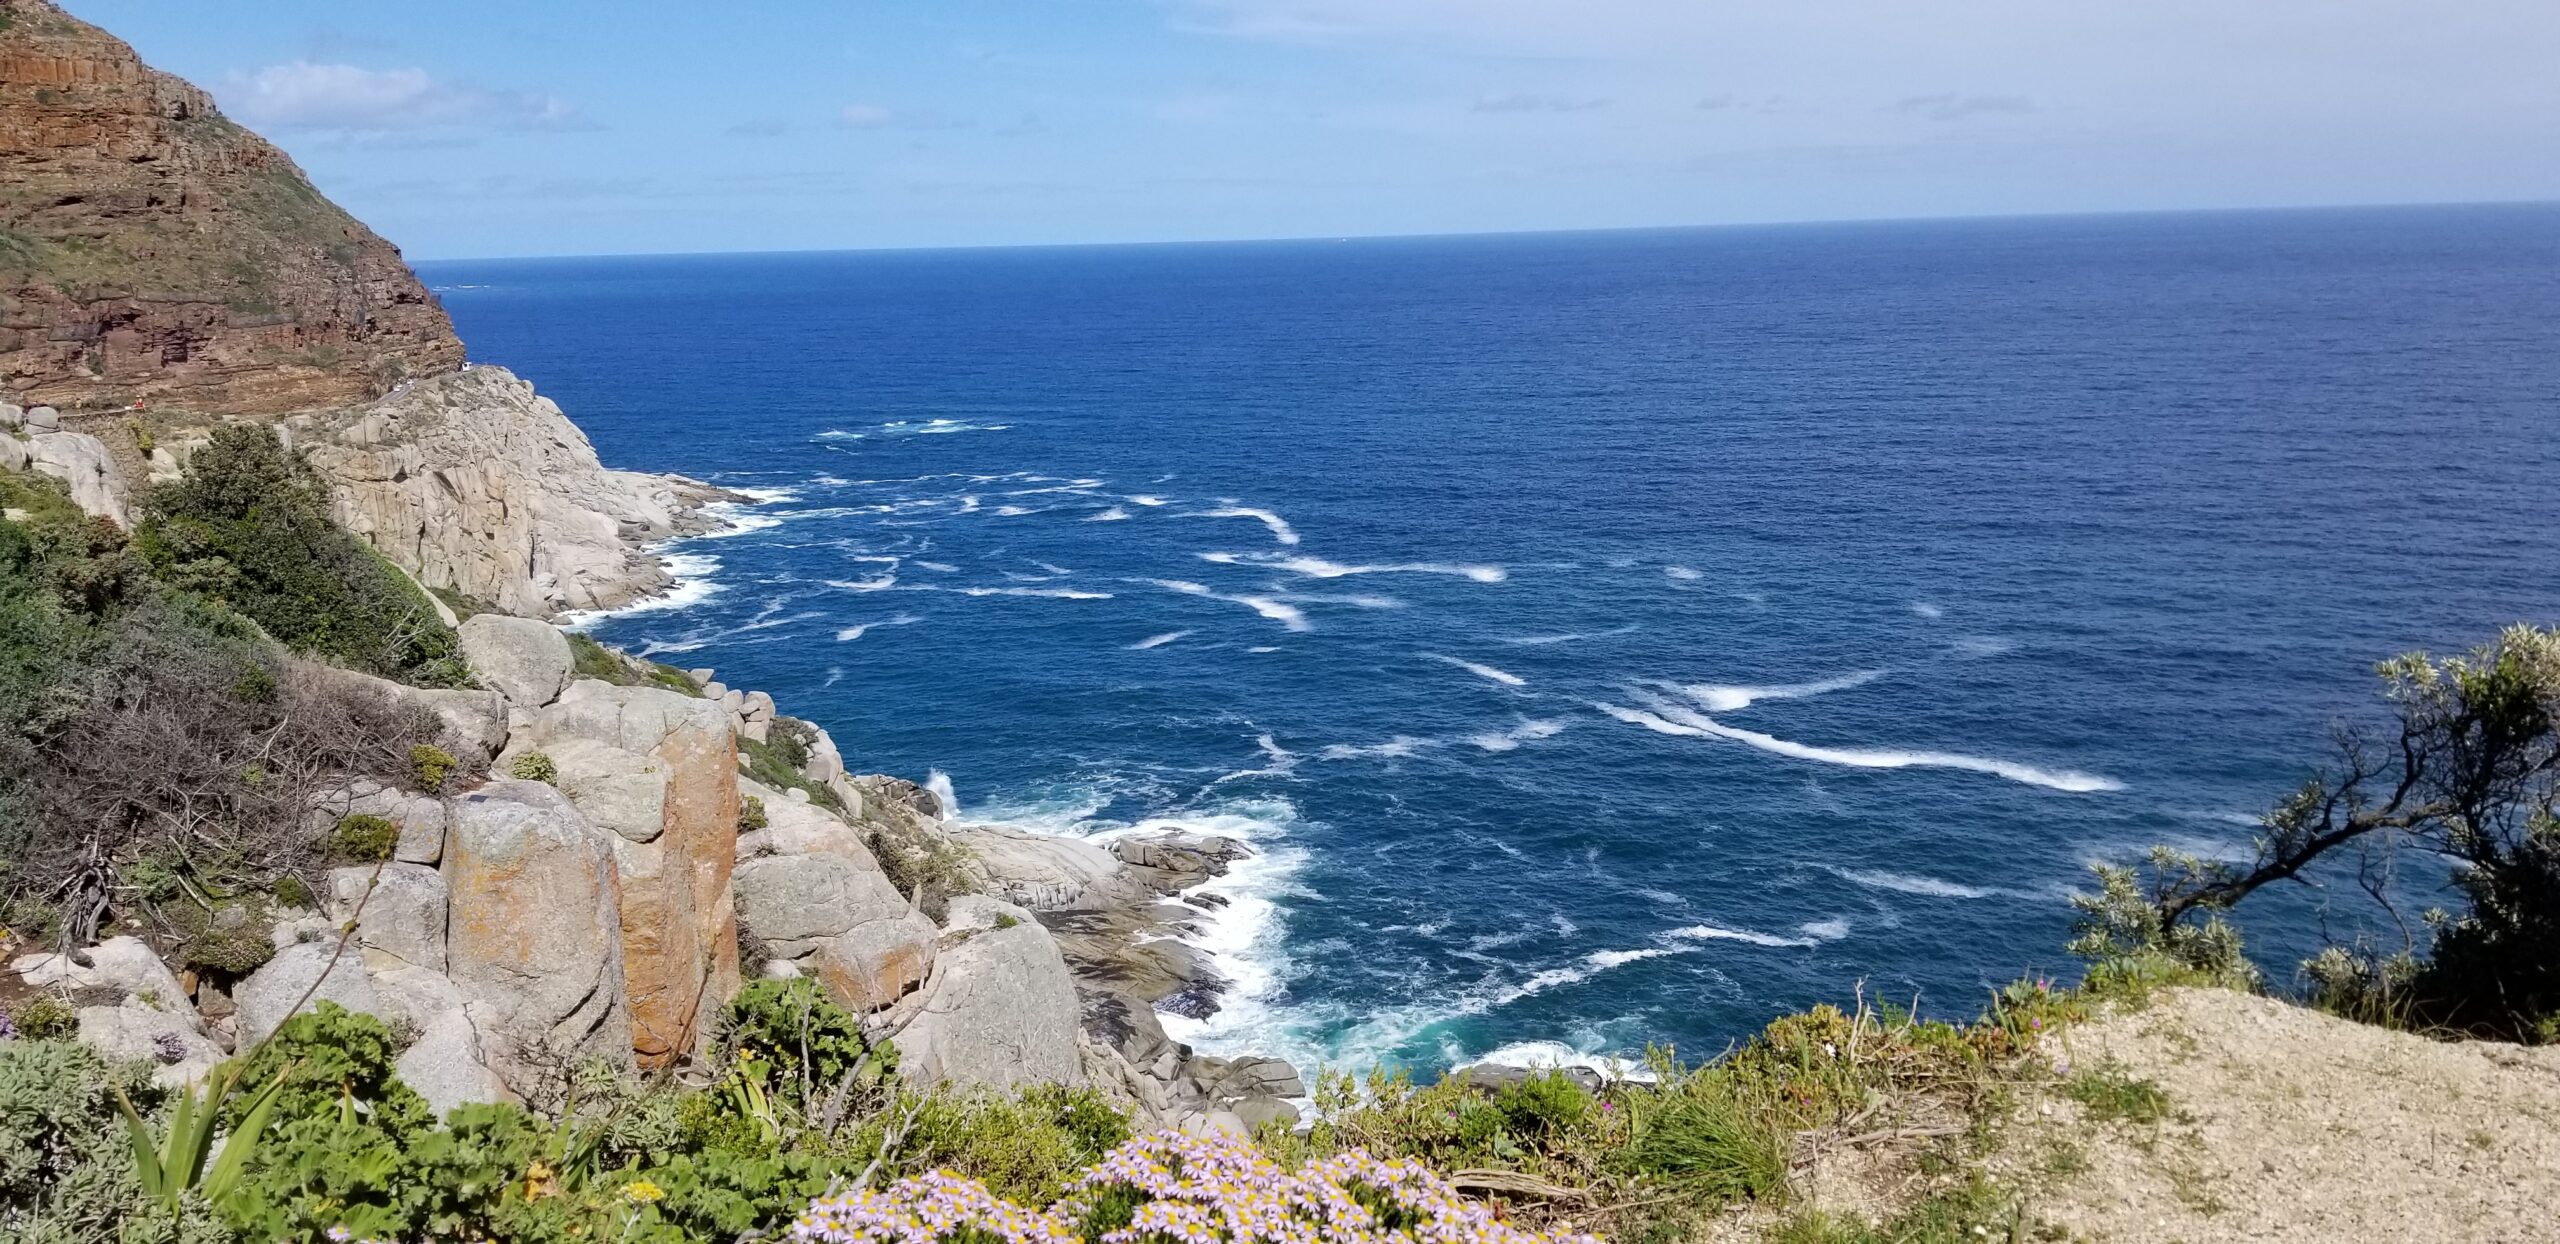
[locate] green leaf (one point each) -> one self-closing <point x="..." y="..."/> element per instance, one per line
<point x="146" y="1155"/>
<point x="244" y="1140"/>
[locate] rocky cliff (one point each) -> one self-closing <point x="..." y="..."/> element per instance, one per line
<point x="151" y="250"/>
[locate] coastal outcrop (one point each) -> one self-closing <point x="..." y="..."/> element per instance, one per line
<point x="153" y="251"/>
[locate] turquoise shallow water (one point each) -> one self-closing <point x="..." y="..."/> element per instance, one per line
<point x="1607" y="637"/>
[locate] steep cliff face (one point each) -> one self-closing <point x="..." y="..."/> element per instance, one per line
<point x="151" y="250"/>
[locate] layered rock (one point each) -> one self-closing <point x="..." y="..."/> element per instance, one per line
<point x="659" y="770"/>
<point x="478" y="485"/>
<point x="152" y="250"/>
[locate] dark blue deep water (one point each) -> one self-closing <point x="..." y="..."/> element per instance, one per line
<point x="1607" y="637"/>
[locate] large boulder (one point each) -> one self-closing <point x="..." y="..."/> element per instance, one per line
<point x="405" y="915"/>
<point x="525" y="660"/>
<point x="999" y="1010"/>
<point x="1047" y="872"/>
<point x="475" y="722"/>
<point x="444" y="1065"/>
<point x="535" y="931"/>
<point x="813" y="894"/>
<point x="269" y="996"/>
<point x="125" y="966"/>
<point x="171" y="1039"/>
<point x="82" y="461"/>
<point x="659" y="770"/>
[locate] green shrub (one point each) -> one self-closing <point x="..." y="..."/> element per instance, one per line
<point x="2110" y="1093"/>
<point x="765" y="763"/>
<point x="364" y="838"/>
<point x="66" y="1164"/>
<point x="229" y="942"/>
<point x="1711" y="1143"/>
<point x="431" y="765"/>
<point x="751" y="814"/>
<point x="292" y="891"/>
<point x="533" y="767"/>
<point x="1544" y="1105"/>
<point x="249" y="525"/>
<point x="590" y="659"/>
<point x="809" y="1039"/>
<point x="44" y="1017"/>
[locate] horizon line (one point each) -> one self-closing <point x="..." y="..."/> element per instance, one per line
<point x="1818" y="222"/>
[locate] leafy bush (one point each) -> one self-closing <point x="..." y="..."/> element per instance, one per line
<point x="2130" y="942"/>
<point x="229" y="942"/>
<point x="533" y="767"/>
<point x="43" y="1017"/>
<point x="66" y="1168"/>
<point x="292" y="891"/>
<point x="590" y="659"/>
<point x="808" y="1038"/>
<point x="2110" y="1093"/>
<point x="751" y="814"/>
<point x="1710" y="1142"/>
<point x="765" y="763"/>
<point x="431" y="765"/>
<point x="363" y="838"/>
<point x="248" y="525"/>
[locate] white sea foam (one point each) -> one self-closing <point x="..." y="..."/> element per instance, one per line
<point x="1016" y="511"/>
<point x="880" y="584"/>
<point x="946" y="798"/>
<point x="938" y="567"/>
<point x="1672" y="719"/>
<point x="1984" y="646"/>
<point x="1283" y="762"/>
<point x="1113" y="515"/>
<point x="1396" y="748"/>
<point x="1910" y="883"/>
<point x="1262" y="648"/>
<point x="1831" y="930"/>
<point x="1485" y="672"/>
<point x="693" y="585"/>
<point x="1321" y="568"/>
<point x="851" y="633"/>
<point x="1682" y="574"/>
<point x="1157" y="641"/>
<point x="1556" y="1055"/>
<point x="737" y="520"/>
<point x="1534" y="641"/>
<point x="1280" y="528"/>
<point x="1718" y="698"/>
<point x="1511" y="739"/>
<point x="1149" y="502"/>
<point x="1716" y="933"/>
<point x="1278" y="611"/>
<point x="1927" y="610"/>
<point x="1051" y="593"/>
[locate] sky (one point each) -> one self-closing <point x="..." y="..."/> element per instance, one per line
<point x="478" y="128"/>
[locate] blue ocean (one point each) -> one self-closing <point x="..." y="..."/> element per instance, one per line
<point x="1606" y="638"/>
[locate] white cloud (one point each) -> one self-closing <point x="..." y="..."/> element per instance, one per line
<point x="306" y="95"/>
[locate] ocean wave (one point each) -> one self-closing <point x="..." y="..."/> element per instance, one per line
<point x="912" y="427"/>
<point x="1671" y="719"/>
<point x="1050" y="593"/>
<point x="881" y="584"/>
<point x="1535" y="641"/>
<point x="693" y="585"/>
<point x="1682" y="574"/>
<point x="1157" y="641"/>
<point x="1718" y="698"/>
<point x="851" y="633"/>
<point x="1280" y="528"/>
<point x="1113" y="515"/>
<point x="1286" y="615"/>
<point x="1511" y="739"/>
<point x="1321" y="568"/>
<point x="1283" y="763"/>
<point x="1718" y="933"/>
<point x="1149" y="502"/>
<point x="1911" y="883"/>
<point x="1922" y="608"/>
<point x="937" y="567"/>
<point x="1983" y="646"/>
<point x="1486" y="672"/>
<point x="1556" y="1055"/>
<point x="1396" y="748"/>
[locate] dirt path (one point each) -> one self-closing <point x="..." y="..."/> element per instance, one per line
<point x="2281" y="1123"/>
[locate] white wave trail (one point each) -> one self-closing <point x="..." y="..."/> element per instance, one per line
<point x="1157" y="641"/>
<point x="1149" y="502"/>
<point x="1695" y="726"/>
<point x="1286" y="615"/>
<point x="1709" y="932"/>
<point x="1113" y="515"/>
<point x="1283" y="762"/>
<point x="1927" y="610"/>
<point x="1280" y="528"/>
<point x="1682" y="574"/>
<point x="693" y="585"/>
<point x="1511" y="739"/>
<point x="1718" y="698"/>
<point x="851" y="633"/>
<point x="1321" y="568"/>
<point x="1540" y="641"/>
<point x="1396" y="748"/>
<point x="1908" y="883"/>
<point x="881" y="584"/>
<point x="1486" y="672"/>
<point x="1552" y="1055"/>
<point x="938" y="567"/>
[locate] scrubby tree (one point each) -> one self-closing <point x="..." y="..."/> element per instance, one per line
<point x="2468" y="769"/>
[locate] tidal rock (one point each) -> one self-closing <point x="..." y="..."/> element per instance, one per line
<point x="525" y="660"/>
<point x="535" y="931"/>
<point x="999" y="1010"/>
<point x="1048" y="872"/>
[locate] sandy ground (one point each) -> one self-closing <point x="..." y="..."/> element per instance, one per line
<point x="2286" y="1124"/>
